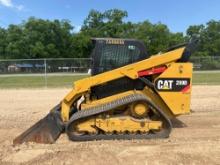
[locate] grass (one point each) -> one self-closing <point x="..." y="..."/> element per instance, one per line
<point x="208" y="78"/>
<point x="38" y="81"/>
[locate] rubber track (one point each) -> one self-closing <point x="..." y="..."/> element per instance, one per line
<point x="112" y="105"/>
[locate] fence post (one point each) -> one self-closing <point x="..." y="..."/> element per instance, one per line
<point x="45" y="73"/>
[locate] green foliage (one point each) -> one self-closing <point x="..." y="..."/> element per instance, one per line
<point x="38" y="38"/>
<point x="81" y="45"/>
<point x="209" y="36"/>
<point x="157" y="37"/>
<point x="107" y="24"/>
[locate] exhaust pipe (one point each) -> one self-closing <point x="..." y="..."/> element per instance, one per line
<point x="46" y="131"/>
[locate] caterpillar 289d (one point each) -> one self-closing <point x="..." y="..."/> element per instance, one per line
<point x="130" y="95"/>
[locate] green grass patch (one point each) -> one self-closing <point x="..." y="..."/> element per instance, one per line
<point x="56" y="81"/>
<point x="38" y="81"/>
<point x="208" y="78"/>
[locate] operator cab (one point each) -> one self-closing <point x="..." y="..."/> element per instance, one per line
<point x="112" y="53"/>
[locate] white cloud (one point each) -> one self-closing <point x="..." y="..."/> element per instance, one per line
<point x="6" y="3"/>
<point x="9" y="3"/>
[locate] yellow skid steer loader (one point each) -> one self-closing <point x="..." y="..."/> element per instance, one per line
<point x="130" y="95"/>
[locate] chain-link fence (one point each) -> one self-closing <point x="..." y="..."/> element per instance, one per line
<point x="59" y="65"/>
<point x="43" y="72"/>
<point x="62" y="72"/>
<point x="206" y="63"/>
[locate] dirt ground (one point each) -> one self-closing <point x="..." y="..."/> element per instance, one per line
<point x="197" y="143"/>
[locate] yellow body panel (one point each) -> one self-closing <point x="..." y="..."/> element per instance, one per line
<point x="158" y="101"/>
<point x="131" y="71"/>
<point x="178" y="102"/>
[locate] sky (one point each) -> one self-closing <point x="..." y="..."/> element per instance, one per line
<point x="178" y="15"/>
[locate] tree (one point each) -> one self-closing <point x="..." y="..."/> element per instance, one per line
<point x="110" y="23"/>
<point x="55" y="36"/>
<point x="107" y="24"/>
<point x="156" y="37"/>
<point x="97" y="24"/>
<point x="81" y="45"/>
<point x="3" y="43"/>
<point x="16" y="43"/>
<point x="114" y="25"/>
<point x="209" y="37"/>
<point x="93" y="20"/>
<point x="39" y="38"/>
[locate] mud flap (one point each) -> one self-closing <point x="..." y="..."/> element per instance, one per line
<point x="47" y="130"/>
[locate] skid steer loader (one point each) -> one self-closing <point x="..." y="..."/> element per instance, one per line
<point x="130" y="95"/>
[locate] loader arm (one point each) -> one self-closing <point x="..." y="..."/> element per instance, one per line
<point x="131" y="71"/>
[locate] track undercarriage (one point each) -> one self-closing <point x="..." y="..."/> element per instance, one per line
<point x="133" y="116"/>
